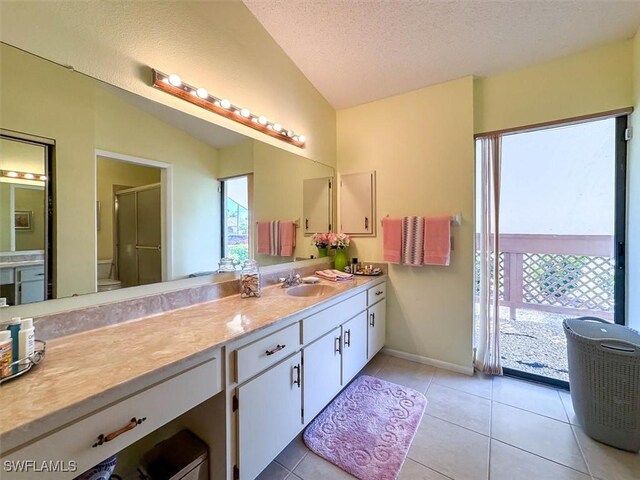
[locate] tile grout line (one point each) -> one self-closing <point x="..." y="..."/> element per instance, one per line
<point x="490" y="431"/>
<point x="584" y="457"/>
<point x="429" y="468"/>
<point x="543" y="458"/>
<point x="531" y="411"/>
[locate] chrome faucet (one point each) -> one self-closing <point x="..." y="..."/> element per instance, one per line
<point x="291" y="280"/>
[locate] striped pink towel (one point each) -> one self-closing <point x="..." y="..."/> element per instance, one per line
<point x="274" y="244"/>
<point x="334" y="275"/>
<point x="413" y="241"/>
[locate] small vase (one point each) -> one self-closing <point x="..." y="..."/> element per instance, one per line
<point x="341" y="260"/>
<point x="322" y="252"/>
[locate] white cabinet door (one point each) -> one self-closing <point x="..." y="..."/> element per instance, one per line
<point x="377" y="322"/>
<point x="269" y="415"/>
<point x="356" y="203"/>
<point x="322" y="363"/>
<point x="354" y="339"/>
<point x="316" y="204"/>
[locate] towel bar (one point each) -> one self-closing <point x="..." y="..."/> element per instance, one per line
<point x="456" y="219"/>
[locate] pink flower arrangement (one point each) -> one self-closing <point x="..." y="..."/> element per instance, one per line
<point x="332" y="240"/>
<point x="321" y="240"/>
<point x="340" y="240"/>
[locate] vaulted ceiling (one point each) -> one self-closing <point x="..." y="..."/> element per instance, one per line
<point x="358" y="51"/>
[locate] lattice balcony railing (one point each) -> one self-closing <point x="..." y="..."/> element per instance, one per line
<point x="574" y="281"/>
<point x="562" y="274"/>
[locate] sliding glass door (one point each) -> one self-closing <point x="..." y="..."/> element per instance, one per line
<point x="562" y="226"/>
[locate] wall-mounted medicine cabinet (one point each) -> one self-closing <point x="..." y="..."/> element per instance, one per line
<point x="357" y="203"/>
<point x="317" y="205"/>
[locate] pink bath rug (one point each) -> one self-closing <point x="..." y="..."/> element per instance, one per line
<point x="367" y="429"/>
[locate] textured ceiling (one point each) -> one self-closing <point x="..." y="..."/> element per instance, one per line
<point x="358" y="51"/>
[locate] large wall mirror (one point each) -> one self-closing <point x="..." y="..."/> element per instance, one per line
<point x="140" y="193"/>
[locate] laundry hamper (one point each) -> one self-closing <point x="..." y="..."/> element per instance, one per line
<point x="604" y="374"/>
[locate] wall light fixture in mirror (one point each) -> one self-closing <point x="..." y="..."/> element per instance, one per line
<point x="155" y="171"/>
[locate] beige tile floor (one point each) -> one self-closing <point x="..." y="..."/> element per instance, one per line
<point x="479" y="428"/>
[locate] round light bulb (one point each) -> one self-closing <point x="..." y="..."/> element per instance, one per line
<point x="290" y="133"/>
<point x="245" y="113"/>
<point x="202" y="93"/>
<point x="262" y="120"/>
<point x="29" y="176"/>
<point x="43" y="177"/>
<point x="224" y="103"/>
<point x="277" y="127"/>
<point x="12" y="174"/>
<point x="175" y="80"/>
<point x="302" y="138"/>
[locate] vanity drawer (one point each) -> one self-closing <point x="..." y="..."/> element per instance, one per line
<point x="267" y="351"/>
<point x="377" y="293"/>
<point x="158" y="405"/>
<point x="26" y="274"/>
<point x="322" y="322"/>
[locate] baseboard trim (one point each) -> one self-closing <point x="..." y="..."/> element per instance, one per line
<point x="428" y="361"/>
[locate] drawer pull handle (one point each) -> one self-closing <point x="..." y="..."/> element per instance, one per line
<point x="297" y="381"/>
<point x="337" y="346"/>
<point x="379" y="292"/>
<point x="372" y="323"/>
<point x="133" y="423"/>
<point x="347" y="338"/>
<point x="275" y="350"/>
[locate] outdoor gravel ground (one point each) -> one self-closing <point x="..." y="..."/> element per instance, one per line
<point x="534" y="343"/>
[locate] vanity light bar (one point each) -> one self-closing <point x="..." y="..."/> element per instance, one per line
<point x="23" y="175"/>
<point x="174" y="85"/>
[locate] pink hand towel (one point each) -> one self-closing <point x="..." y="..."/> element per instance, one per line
<point x="392" y="239"/>
<point x="264" y="237"/>
<point x="334" y="275"/>
<point x="287" y="238"/>
<point x="413" y="241"/>
<point x="437" y="241"/>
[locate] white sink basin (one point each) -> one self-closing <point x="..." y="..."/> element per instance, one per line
<point x="309" y="290"/>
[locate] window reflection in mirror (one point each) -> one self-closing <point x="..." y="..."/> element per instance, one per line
<point x="237" y="214"/>
<point x="23" y="220"/>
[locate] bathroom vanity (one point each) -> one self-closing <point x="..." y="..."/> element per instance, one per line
<point x="252" y="373"/>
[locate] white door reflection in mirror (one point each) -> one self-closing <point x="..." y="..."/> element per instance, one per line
<point x="316" y="205"/>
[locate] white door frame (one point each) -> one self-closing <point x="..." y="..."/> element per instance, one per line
<point x="166" y="203"/>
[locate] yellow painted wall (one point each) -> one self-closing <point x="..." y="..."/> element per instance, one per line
<point x="594" y="81"/>
<point x="633" y="199"/>
<point x="277" y="182"/>
<point x="82" y="116"/>
<point x="235" y="160"/>
<point x="110" y="173"/>
<point x="216" y="44"/>
<point x="421" y="146"/>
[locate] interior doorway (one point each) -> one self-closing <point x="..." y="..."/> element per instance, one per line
<point x="133" y="221"/>
<point x="562" y="231"/>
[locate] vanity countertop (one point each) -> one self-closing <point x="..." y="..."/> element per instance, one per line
<point x="87" y="371"/>
<point x="21" y="263"/>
